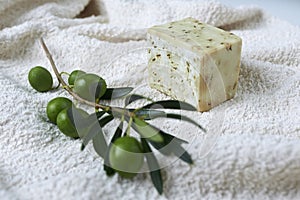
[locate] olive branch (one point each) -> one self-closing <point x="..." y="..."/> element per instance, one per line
<point x="151" y="136"/>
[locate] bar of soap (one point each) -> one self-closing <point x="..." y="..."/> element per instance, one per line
<point x="194" y="62"/>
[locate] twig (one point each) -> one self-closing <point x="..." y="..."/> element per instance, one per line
<point x="76" y="96"/>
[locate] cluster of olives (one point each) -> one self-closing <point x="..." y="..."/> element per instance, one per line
<point x="125" y="154"/>
<point x="60" y="110"/>
<point x="87" y="85"/>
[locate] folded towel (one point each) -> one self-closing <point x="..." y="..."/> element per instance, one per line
<point x="251" y="149"/>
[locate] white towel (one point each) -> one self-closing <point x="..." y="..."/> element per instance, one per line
<point x="251" y="149"/>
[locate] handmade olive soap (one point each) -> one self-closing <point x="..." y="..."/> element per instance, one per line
<point x="194" y="62"/>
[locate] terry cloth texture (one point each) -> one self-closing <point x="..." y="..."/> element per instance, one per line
<point x="251" y="149"/>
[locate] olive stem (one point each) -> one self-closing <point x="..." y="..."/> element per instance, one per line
<point x="76" y="96"/>
<point x="64" y="84"/>
<point x="128" y="127"/>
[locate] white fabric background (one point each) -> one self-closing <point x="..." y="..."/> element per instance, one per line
<point x="257" y="150"/>
<point x="287" y="10"/>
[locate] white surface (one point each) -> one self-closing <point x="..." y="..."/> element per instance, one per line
<point x="287" y="10"/>
<point x="257" y="154"/>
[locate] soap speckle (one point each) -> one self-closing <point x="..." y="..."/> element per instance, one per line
<point x="228" y="47"/>
<point x="188" y="67"/>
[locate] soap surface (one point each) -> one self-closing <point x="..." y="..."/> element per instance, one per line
<point x="194" y="62"/>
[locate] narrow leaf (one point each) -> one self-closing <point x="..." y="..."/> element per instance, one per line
<point x="180" y="152"/>
<point x="118" y="133"/>
<point x="114" y="93"/>
<point x="95" y="116"/>
<point x="100" y="144"/>
<point x="153" y="167"/>
<point x="170" y="104"/>
<point x="99" y="114"/>
<point x="133" y="98"/>
<point x="146" y="131"/>
<point x="89" y="136"/>
<point x="94" y="130"/>
<point x="105" y="120"/>
<point x="148" y="114"/>
<point x="168" y="143"/>
<point x="177" y="116"/>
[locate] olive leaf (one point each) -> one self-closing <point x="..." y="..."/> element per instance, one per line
<point x="172" y="144"/>
<point x="180" y="152"/>
<point x="105" y="120"/>
<point x="95" y="116"/>
<point x="145" y="130"/>
<point x="99" y="114"/>
<point x="134" y="97"/>
<point x="95" y="134"/>
<point x="175" y="116"/>
<point x="114" y="93"/>
<point x="169" y="141"/>
<point x="153" y="167"/>
<point x="147" y="114"/>
<point x="93" y="130"/>
<point x="100" y="144"/>
<point x="170" y="104"/>
<point x="89" y="136"/>
<point x="106" y="165"/>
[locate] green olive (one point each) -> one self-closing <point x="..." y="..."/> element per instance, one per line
<point x="81" y="120"/>
<point x="40" y="79"/>
<point x="90" y="86"/>
<point x="55" y="106"/>
<point x="65" y="122"/>
<point x="126" y="156"/>
<point x="74" y="75"/>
